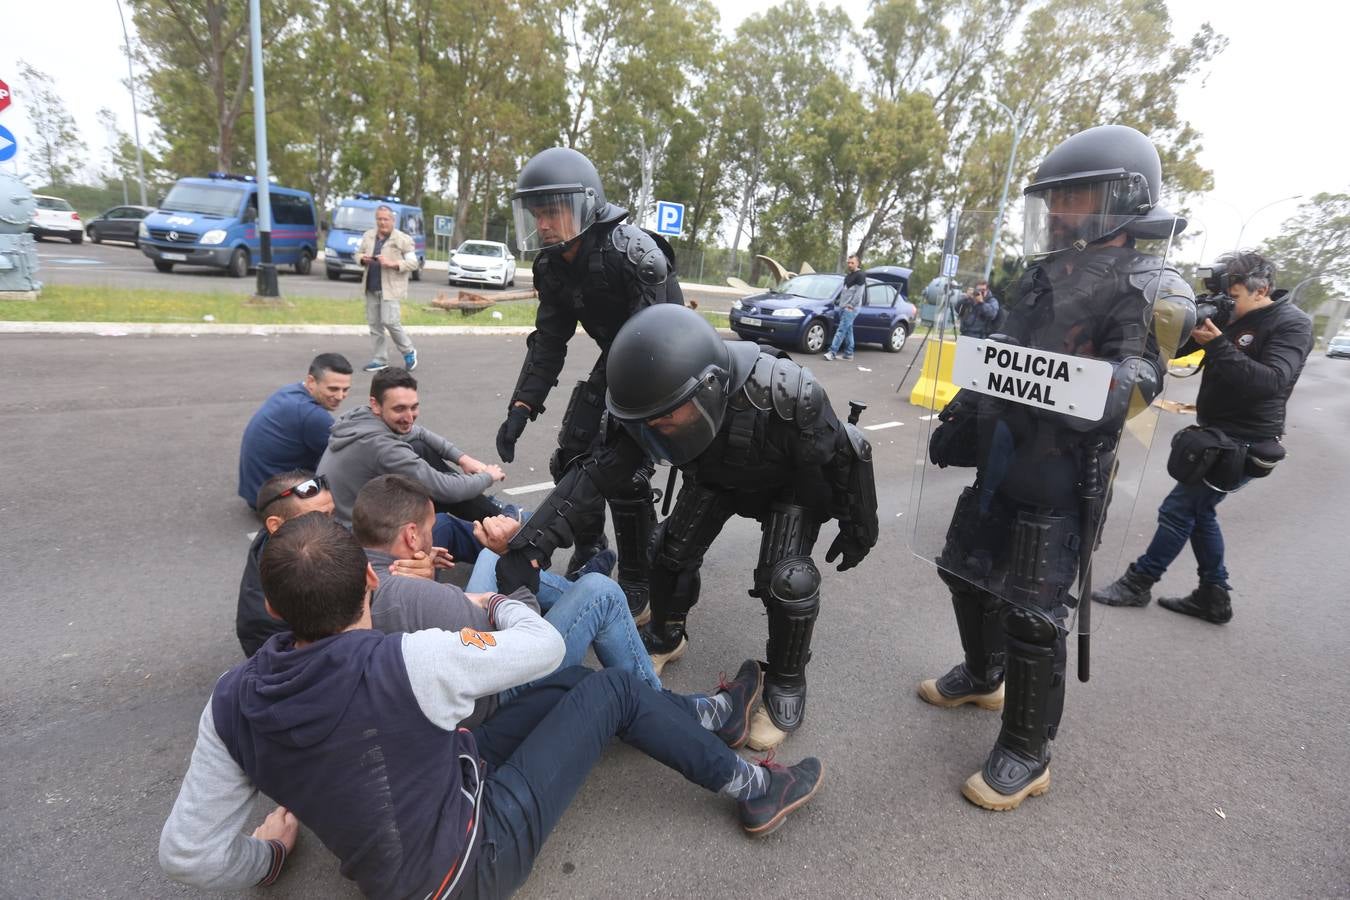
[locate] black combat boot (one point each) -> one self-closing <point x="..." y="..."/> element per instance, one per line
<point x="665" y="641"/>
<point x="1209" y="602"/>
<point x="1130" y="589"/>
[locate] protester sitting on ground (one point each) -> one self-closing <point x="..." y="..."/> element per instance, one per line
<point x="385" y="439"/>
<point x="290" y="430"/>
<point x="283" y="497"/>
<point x="353" y="731"/>
<point x="393" y="518"/>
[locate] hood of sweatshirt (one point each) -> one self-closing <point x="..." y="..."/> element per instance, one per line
<point x="297" y="696"/>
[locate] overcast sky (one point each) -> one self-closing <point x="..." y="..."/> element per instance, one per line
<point x="1271" y="110"/>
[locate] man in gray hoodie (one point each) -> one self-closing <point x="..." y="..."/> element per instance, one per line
<point x="385" y="439"/>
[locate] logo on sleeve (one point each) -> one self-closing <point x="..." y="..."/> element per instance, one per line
<point x="1245" y="339"/>
<point x="472" y="637"/>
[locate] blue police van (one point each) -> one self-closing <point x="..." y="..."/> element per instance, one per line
<point x="353" y="217"/>
<point x="213" y="221"/>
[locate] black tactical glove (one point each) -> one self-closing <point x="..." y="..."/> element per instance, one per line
<point x="850" y="547"/>
<point x="515" y="570"/>
<point x="510" y="432"/>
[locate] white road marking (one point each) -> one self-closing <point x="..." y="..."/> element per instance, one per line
<point x="882" y="425"/>
<point x="529" y="488"/>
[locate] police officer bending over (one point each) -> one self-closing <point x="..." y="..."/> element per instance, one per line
<point x="1017" y="536"/>
<point x="753" y="435"/>
<point x="1255" y="346"/>
<point x="592" y="270"/>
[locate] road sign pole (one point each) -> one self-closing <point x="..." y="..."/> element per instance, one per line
<point x="267" y="273"/>
<point x="135" y="115"/>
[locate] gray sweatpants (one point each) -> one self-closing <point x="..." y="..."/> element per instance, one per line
<point x="384" y="315"/>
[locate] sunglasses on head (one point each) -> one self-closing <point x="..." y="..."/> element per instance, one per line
<point x="306" y="489"/>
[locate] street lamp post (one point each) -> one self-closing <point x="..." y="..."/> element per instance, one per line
<point x="1018" y="130"/>
<point x="1238" y="244"/>
<point x="267" y="272"/>
<point x="135" y="114"/>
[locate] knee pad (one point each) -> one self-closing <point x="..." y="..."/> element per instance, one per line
<point x="1031" y="626"/>
<point x="793" y="602"/>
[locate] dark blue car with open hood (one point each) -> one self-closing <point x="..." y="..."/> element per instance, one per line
<point x="803" y="312"/>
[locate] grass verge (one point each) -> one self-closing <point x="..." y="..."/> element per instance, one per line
<point x="78" y="303"/>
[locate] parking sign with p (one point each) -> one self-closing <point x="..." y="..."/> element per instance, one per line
<point x="669" y="218"/>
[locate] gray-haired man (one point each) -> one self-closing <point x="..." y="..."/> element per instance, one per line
<point x="389" y="256"/>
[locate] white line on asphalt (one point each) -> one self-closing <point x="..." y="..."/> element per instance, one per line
<point x="529" y="488"/>
<point x="881" y="426"/>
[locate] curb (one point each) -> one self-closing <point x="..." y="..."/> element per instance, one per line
<point x="125" y="329"/>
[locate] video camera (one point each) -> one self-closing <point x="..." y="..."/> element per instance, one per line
<point x="1214" y="304"/>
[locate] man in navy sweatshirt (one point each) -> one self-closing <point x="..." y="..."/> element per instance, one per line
<point x="355" y="733"/>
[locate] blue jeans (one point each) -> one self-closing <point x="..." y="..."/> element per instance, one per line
<point x="844" y="333"/>
<point x="1188" y="514"/>
<point x="456" y="535"/>
<point x="539" y="749"/>
<point x="592" y="611"/>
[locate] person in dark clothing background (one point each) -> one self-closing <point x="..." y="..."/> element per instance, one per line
<point x="1253" y="358"/>
<point x="596" y="271"/>
<point x="978" y="311"/>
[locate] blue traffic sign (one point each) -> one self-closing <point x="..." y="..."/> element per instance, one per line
<point x="443" y="226"/>
<point x="669" y="218"/>
<point x="8" y="145"/>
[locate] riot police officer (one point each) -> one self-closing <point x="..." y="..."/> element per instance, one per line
<point x="752" y="434"/>
<point x="1022" y="532"/>
<point x="596" y="271"/>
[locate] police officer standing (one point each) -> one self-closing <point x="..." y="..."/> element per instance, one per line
<point x="596" y="271"/>
<point x="1022" y="532"/>
<point x="752" y="434"/>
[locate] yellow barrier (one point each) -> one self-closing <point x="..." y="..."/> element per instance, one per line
<point x="1188" y="362"/>
<point x="935" y="389"/>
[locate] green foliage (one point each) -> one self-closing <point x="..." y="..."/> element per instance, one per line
<point x="54" y="128"/>
<point x="1312" y="251"/>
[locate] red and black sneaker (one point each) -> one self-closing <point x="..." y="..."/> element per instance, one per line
<point x="742" y="691"/>
<point x="789" y="788"/>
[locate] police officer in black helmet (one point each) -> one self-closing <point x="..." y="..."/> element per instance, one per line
<point x="753" y="435"/>
<point x="1024" y="530"/>
<point x="592" y="270"/>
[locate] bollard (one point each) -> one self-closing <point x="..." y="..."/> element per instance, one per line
<point x="935" y="389"/>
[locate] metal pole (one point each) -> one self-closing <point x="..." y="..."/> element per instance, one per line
<point x="1237" y="245"/>
<point x="267" y="273"/>
<point x="135" y="114"/>
<point x="1003" y="200"/>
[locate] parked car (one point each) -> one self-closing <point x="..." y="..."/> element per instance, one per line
<point x="353" y="217"/>
<point x="213" y="221"/>
<point x="1339" y="345"/>
<point x="55" y="217"/>
<point x="121" y="223"/>
<point x="803" y="312"/>
<point x="483" y="262"/>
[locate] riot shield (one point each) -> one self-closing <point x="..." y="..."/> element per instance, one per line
<point x="1029" y="475"/>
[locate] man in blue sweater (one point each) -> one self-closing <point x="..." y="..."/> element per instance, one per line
<point x="355" y="732"/>
<point x="290" y="430"/>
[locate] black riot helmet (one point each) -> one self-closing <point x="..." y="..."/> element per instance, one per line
<point x="670" y="377"/>
<point x="1093" y="186"/>
<point x="558" y="196"/>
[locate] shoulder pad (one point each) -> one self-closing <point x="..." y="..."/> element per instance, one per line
<point x="794" y="392"/>
<point x="641" y="252"/>
<point x="862" y="449"/>
<point x="757" y="387"/>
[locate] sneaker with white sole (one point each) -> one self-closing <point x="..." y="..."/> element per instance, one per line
<point x="374" y="366"/>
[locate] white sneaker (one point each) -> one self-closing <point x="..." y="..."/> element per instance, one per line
<point x="828" y="357"/>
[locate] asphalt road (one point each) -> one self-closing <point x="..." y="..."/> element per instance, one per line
<point x="124" y="266"/>
<point x="1199" y="761"/>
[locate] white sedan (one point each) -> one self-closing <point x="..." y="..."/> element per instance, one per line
<point x="483" y="262"/>
<point x="55" y="217"/>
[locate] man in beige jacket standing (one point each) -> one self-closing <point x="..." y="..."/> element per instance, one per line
<point x="388" y="255"/>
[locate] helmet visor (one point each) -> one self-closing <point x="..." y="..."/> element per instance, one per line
<point x="681" y="434"/>
<point x="546" y="219"/>
<point x="1069" y="216"/>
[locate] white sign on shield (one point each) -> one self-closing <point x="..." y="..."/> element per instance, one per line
<point x="669" y="218"/>
<point x="1072" y="385"/>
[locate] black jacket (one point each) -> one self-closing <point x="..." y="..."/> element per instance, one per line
<point x="1250" y="370"/>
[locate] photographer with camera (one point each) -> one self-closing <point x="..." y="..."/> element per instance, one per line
<point x="1256" y="342"/>
<point x="978" y="311"/>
